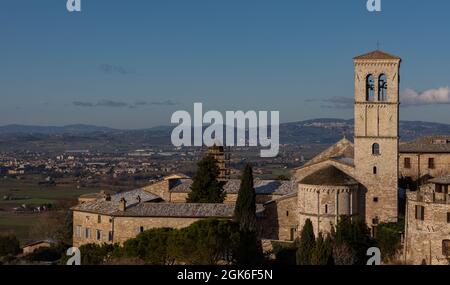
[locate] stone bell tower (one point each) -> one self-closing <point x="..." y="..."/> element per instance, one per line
<point x="377" y="81"/>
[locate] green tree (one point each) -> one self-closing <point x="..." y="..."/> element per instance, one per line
<point x="94" y="254"/>
<point x="245" y="210"/>
<point x="206" y="242"/>
<point x="388" y="238"/>
<point x="205" y="186"/>
<point x="356" y="235"/>
<point x="9" y="245"/>
<point x="150" y="246"/>
<point x="307" y="244"/>
<point x="322" y="253"/>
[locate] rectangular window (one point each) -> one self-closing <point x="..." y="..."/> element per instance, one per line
<point x="431" y="163"/>
<point x="140" y="229"/>
<point x="99" y="219"/>
<point x="87" y="233"/>
<point x="448" y="217"/>
<point x="446" y="247"/>
<point x="78" y="231"/>
<point x="110" y="236"/>
<point x="420" y="212"/>
<point x="407" y="162"/>
<point x="99" y="235"/>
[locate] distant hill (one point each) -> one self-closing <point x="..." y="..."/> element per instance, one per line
<point x="317" y="131"/>
<point x="331" y="130"/>
<point x="69" y="129"/>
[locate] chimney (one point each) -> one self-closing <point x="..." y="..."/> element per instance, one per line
<point x="105" y="196"/>
<point x="122" y="205"/>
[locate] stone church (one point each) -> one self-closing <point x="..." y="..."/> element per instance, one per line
<point x="357" y="179"/>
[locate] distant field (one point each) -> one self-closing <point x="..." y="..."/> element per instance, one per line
<point x="18" y="224"/>
<point x="28" y="192"/>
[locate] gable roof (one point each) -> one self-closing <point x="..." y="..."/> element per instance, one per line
<point x="342" y="151"/>
<point x="377" y="55"/>
<point x="329" y="176"/>
<point x="427" y="144"/>
<point x="262" y="187"/>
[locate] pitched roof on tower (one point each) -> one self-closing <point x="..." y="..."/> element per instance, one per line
<point x="377" y="54"/>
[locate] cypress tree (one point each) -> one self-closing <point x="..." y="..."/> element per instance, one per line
<point x="307" y="244"/>
<point x="322" y="253"/>
<point x="245" y="210"/>
<point x="205" y="186"/>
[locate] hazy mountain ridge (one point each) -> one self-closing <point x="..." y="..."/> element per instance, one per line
<point x="316" y="131"/>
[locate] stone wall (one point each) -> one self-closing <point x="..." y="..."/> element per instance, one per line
<point x="419" y="165"/>
<point x="324" y="204"/>
<point x="377" y="121"/>
<point x="280" y="220"/>
<point x="423" y="239"/>
<point x="122" y="228"/>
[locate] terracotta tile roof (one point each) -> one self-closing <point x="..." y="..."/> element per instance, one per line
<point x="262" y="187"/>
<point x="428" y="144"/>
<point x="342" y="151"/>
<point x="377" y="54"/>
<point x="441" y="180"/>
<point x="329" y="176"/>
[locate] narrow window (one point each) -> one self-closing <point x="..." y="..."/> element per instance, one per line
<point x="431" y="163"/>
<point x="99" y="219"/>
<point x="87" y="233"/>
<point x="382" y="88"/>
<point x="407" y="162"/>
<point x="376" y="149"/>
<point x="110" y="236"/>
<point x="420" y="212"/>
<point x="448" y="217"/>
<point x="326" y="209"/>
<point x="287" y="213"/>
<point x="370" y="88"/>
<point x="99" y="235"/>
<point x="78" y="231"/>
<point x="374" y="170"/>
<point x="446" y="247"/>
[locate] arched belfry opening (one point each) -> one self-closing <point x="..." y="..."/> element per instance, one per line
<point x="382" y="87"/>
<point x="370" y="88"/>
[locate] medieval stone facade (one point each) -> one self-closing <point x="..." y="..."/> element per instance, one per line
<point x="427" y="225"/>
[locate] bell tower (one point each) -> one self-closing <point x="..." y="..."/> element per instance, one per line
<point x="377" y="80"/>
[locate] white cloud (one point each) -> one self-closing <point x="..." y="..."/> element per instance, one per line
<point x="432" y="96"/>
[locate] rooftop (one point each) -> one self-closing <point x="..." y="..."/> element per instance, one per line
<point x="329" y="176"/>
<point x="262" y="187"/>
<point x="441" y="180"/>
<point x="427" y="144"/>
<point x="377" y="55"/>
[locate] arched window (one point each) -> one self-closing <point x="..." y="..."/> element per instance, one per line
<point x="382" y="88"/>
<point x="376" y="149"/>
<point x="370" y="88"/>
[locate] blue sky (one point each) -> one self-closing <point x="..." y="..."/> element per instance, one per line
<point x="132" y="63"/>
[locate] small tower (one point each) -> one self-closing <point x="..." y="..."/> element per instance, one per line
<point x="377" y="80"/>
<point x="222" y="157"/>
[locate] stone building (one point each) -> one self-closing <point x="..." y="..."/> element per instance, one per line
<point x="423" y="158"/>
<point x="368" y="169"/>
<point x="103" y="218"/>
<point x="427" y="226"/>
<point x="222" y="156"/>
<point x="357" y="179"/>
